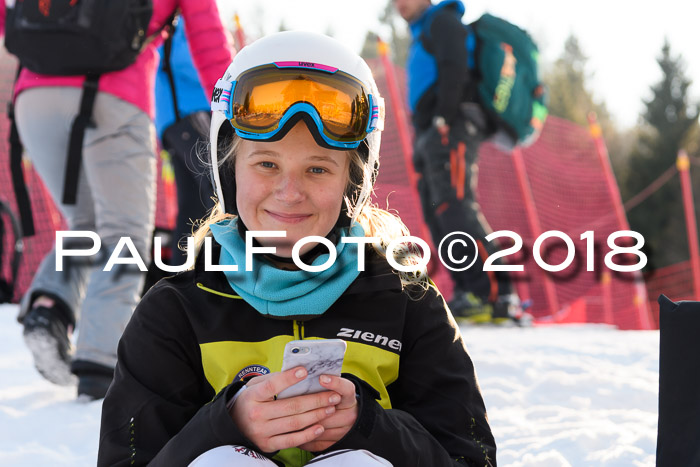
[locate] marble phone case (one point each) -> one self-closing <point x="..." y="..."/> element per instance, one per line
<point x="319" y="357"/>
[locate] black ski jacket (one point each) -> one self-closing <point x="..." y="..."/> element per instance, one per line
<point x="192" y="341"/>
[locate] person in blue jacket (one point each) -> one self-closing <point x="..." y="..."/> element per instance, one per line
<point x="449" y="128"/>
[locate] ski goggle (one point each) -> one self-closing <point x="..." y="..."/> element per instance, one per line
<point x="263" y="99"/>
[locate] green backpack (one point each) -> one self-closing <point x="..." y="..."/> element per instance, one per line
<point x="508" y="86"/>
<point x="503" y="61"/>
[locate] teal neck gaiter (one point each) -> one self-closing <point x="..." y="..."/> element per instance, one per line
<point x="281" y="293"/>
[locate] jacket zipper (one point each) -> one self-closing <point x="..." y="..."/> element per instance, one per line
<point x="216" y="292"/>
<point x="298" y="330"/>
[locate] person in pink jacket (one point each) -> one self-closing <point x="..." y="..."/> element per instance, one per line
<point x="115" y="196"/>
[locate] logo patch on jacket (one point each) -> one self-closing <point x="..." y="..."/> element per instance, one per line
<point x="251" y="371"/>
<point x="248" y="452"/>
<point x="370" y="337"/>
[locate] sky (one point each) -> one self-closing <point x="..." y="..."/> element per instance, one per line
<point x="622" y="38"/>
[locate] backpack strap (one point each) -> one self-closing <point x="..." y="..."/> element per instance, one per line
<point x="77" y="134"/>
<point x="471" y="46"/>
<point x="424" y="38"/>
<point x="7" y="287"/>
<point x="168" y="69"/>
<point x="24" y="205"/>
<point x="84" y="120"/>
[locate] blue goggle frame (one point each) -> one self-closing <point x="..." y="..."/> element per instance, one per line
<point x="222" y="100"/>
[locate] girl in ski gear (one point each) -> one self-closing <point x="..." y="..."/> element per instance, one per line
<point x="199" y="363"/>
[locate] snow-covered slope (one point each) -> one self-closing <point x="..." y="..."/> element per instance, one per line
<point x="569" y="396"/>
<point x="556" y="396"/>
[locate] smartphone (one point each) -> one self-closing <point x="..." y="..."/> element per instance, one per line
<point x="319" y="357"/>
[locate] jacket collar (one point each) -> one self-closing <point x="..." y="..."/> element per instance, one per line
<point x="377" y="276"/>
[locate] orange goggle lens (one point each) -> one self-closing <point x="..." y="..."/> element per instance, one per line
<point x="263" y="95"/>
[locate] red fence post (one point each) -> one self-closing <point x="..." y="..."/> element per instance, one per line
<point x="398" y="109"/>
<point x="641" y="299"/>
<point x="533" y="221"/>
<point x="240" y="35"/>
<point x="606" y="280"/>
<point x="683" y="164"/>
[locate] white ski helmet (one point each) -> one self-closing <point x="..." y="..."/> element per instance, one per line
<point x="351" y="116"/>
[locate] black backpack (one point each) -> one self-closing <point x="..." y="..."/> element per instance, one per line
<point x="9" y="225"/>
<point x="77" y="37"/>
<point x="69" y="38"/>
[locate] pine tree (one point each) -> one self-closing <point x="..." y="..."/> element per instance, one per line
<point x="567" y="88"/>
<point x="570" y="98"/>
<point x="668" y="118"/>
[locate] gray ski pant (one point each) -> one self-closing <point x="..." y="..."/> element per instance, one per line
<point x="116" y="198"/>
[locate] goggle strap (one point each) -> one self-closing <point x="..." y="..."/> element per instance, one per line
<point x="217" y="119"/>
<point x="376" y="116"/>
<point x="381" y="112"/>
<point x="221" y="97"/>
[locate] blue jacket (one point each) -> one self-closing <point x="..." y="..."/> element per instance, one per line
<point x="190" y="95"/>
<point x="438" y="77"/>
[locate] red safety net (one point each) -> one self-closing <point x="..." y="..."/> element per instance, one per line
<point x="47" y="218"/>
<point x="566" y="181"/>
<point x="570" y="194"/>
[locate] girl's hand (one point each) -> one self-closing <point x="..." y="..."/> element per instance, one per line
<point x="338" y="424"/>
<point x="279" y="424"/>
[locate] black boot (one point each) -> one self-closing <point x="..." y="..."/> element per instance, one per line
<point x="93" y="379"/>
<point x="47" y="335"/>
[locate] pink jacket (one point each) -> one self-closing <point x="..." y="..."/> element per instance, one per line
<point x="210" y="45"/>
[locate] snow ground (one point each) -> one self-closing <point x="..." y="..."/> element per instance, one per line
<point x="582" y="395"/>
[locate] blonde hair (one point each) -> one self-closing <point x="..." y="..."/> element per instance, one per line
<point x="376" y="222"/>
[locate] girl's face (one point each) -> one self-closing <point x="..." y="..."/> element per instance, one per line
<point x="293" y="185"/>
